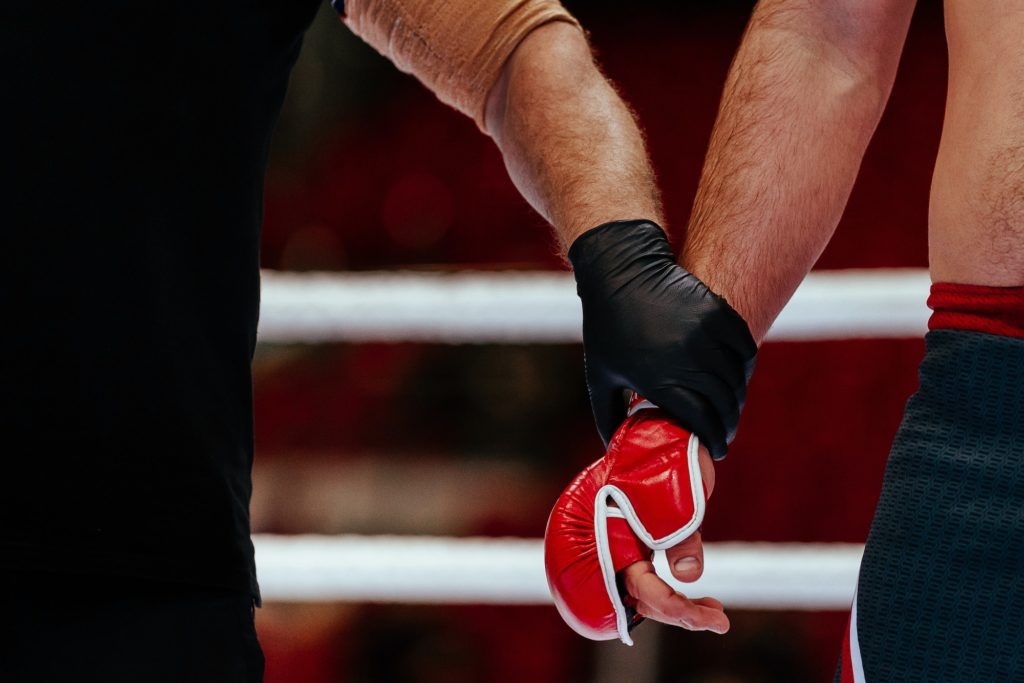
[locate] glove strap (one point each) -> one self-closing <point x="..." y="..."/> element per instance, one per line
<point x="605" y="512"/>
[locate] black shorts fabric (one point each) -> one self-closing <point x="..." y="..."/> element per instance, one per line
<point x="941" y="590"/>
<point x="112" y="631"/>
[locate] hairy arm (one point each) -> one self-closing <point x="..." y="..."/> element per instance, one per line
<point x="803" y="97"/>
<point x="571" y="146"/>
<point x="522" y="69"/>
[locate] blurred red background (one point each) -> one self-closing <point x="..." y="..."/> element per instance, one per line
<point x="371" y="172"/>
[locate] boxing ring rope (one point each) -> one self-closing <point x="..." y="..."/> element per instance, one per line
<point x="541" y="307"/>
<point x="509" y="571"/>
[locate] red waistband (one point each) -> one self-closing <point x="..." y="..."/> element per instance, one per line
<point x="977" y="308"/>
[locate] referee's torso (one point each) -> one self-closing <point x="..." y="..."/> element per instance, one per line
<point x="135" y="137"/>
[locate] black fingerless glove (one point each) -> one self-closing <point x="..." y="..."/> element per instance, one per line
<point x="651" y="326"/>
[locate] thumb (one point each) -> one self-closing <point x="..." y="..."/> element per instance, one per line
<point x="686" y="559"/>
<point x="707" y="471"/>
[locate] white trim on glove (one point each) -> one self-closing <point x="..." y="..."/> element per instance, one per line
<point x="603" y="511"/>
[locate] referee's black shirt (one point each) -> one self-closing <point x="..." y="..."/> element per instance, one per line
<point x="134" y="141"/>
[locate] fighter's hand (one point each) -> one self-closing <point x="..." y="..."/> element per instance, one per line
<point x="647" y="493"/>
<point x="657" y="600"/>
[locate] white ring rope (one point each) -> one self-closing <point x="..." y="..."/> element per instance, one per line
<point x="418" y="569"/>
<point x="541" y="307"/>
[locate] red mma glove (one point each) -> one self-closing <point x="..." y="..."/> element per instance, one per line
<point x="645" y="494"/>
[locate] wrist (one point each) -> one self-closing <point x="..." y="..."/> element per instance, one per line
<point x="618" y="247"/>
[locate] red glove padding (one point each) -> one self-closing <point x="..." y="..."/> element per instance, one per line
<point x="645" y="494"/>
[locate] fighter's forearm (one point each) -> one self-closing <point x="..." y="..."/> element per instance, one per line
<point x="570" y="144"/>
<point x="803" y="97"/>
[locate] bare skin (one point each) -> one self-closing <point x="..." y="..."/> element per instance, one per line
<point x="779" y="170"/>
<point x="573" y="149"/>
<point x="781" y="164"/>
<point x="976" y="216"/>
<point x="657" y="600"/>
<point x="571" y="145"/>
<point x="778" y="173"/>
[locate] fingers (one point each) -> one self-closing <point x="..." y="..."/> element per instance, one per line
<point x="709" y="602"/>
<point x="608" y="405"/>
<point x="658" y="601"/>
<point x="698" y="617"/>
<point x="686" y="560"/>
